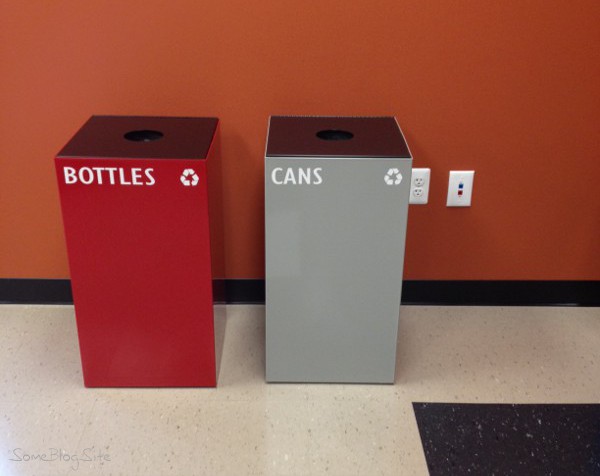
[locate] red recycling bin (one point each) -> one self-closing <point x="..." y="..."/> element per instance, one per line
<point x="140" y="200"/>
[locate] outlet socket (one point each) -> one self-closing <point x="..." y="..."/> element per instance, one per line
<point x="419" y="186"/>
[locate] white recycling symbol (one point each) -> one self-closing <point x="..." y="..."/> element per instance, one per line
<point x="393" y="177"/>
<point x="189" y="178"/>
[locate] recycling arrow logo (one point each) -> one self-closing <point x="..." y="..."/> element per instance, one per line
<point x="189" y="178"/>
<point x="393" y="177"/>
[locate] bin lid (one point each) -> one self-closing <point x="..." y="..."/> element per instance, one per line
<point x="331" y="136"/>
<point x="143" y="137"/>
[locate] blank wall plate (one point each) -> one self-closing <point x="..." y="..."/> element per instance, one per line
<point x="460" y="188"/>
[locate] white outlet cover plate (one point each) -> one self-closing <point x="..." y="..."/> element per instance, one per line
<point x="418" y="176"/>
<point x="458" y="177"/>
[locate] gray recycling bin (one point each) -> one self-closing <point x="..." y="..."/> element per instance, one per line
<point x="336" y="204"/>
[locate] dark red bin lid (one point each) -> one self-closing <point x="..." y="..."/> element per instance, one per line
<point x="142" y="137"/>
<point x="331" y="136"/>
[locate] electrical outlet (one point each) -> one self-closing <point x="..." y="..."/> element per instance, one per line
<point x="419" y="186"/>
<point x="460" y="188"/>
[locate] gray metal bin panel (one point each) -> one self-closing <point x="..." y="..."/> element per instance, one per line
<point x="334" y="262"/>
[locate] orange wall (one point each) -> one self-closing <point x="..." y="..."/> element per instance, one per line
<point x="509" y="89"/>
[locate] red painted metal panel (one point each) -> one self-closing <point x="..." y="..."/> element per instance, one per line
<point x="138" y="239"/>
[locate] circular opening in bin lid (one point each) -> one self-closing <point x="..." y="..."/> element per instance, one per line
<point x="332" y="134"/>
<point x="143" y="136"/>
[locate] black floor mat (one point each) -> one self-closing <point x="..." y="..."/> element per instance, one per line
<point x="504" y="439"/>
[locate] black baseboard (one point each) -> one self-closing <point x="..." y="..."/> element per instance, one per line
<point x="35" y="291"/>
<point x="454" y="293"/>
<point x="502" y="293"/>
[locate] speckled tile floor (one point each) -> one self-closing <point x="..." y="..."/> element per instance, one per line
<point x="445" y="354"/>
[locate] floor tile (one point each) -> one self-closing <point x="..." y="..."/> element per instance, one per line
<point x="510" y="439"/>
<point x="445" y="354"/>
